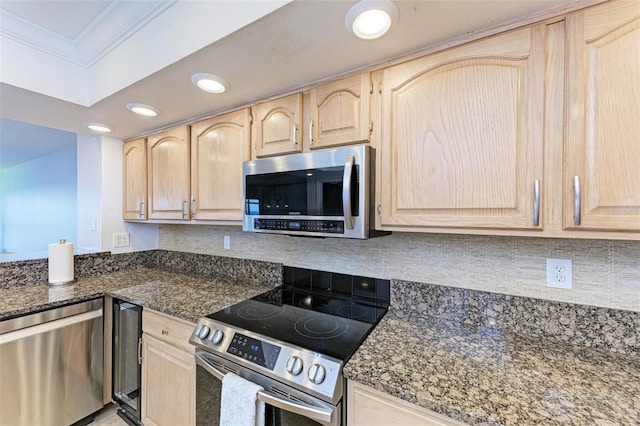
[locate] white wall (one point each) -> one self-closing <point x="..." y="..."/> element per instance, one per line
<point x="2" y="249"/>
<point x="75" y="194"/>
<point x="39" y="202"/>
<point x="89" y="202"/>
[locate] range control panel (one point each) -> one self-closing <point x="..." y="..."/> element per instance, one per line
<point x="262" y="353"/>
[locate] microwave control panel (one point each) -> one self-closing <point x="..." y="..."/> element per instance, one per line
<point x="327" y="226"/>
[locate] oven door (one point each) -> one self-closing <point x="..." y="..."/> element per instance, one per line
<point x="284" y="406"/>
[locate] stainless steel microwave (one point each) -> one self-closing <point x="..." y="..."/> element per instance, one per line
<point x="325" y="193"/>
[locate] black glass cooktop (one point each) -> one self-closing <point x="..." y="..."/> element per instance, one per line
<point x="323" y="324"/>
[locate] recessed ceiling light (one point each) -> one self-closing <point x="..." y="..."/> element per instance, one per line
<point x="142" y="109"/>
<point x="210" y="82"/>
<point x="98" y="127"/>
<point x="370" y="19"/>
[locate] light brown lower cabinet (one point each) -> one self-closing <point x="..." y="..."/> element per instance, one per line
<point x="168" y="371"/>
<point x="370" y="407"/>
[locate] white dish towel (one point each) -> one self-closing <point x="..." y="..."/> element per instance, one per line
<point x="239" y="404"/>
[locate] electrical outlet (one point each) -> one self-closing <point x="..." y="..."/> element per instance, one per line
<point x="227" y="242"/>
<point x="559" y="273"/>
<point x="121" y="239"/>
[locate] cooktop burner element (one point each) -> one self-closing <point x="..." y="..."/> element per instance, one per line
<point x="257" y="312"/>
<point x="352" y="311"/>
<point x="321" y="327"/>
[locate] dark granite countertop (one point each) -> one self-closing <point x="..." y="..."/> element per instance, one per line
<point x="181" y="295"/>
<point x="482" y="375"/>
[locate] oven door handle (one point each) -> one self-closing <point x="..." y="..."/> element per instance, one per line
<point x="202" y="362"/>
<point x="311" y="412"/>
<point x="349" y="220"/>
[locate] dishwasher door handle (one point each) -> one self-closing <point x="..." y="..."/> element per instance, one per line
<point x="23" y="333"/>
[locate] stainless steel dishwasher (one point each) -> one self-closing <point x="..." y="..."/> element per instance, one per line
<point x="51" y="366"/>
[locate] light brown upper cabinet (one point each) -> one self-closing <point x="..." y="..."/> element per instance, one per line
<point x="134" y="190"/>
<point x="218" y="148"/>
<point x="277" y="126"/>
<point x="169" y="176"/>
<point x="340" y="112"/>
<point x="602" y="150"/>
<point x="462" y="136"/>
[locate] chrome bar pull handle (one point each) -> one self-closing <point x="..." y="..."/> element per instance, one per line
<point x="141" y="210"/>
<point x="293" y="134"/>
<point x="192" y="207"/>
<point x="140" y="351"/>
<point x="536" y="202"/>
<point x="349" y="220"/>
<point x="184" y="209"/>
<point x="311" y="132"/>
<point x="576" y="200"/>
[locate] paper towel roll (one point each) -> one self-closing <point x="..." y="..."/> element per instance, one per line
<point x="61" y="262"/>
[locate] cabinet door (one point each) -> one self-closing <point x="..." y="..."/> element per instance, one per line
<point x="218" y="148"/>
<point x="461" y="142"/>
<point x="369" y="407"/>
<point x="168" y="384"/>
<point x="340" y="112"/>
<point x="602" y="148"/>
<point x="134" y="189"/>
<point x="277" y="126"/>
<point x="169" y="178"/>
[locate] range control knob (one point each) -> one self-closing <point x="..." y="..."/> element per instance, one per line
<point x="294" y="365"/>
<point x="204" y="332"/>
<point x="216" y="337"/>
<point x="317" y="374"/>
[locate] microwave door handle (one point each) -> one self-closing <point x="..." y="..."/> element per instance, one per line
<point x="349" y="221"/>
<point x="313" y="413"/>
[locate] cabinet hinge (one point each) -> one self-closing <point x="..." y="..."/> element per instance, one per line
<point x="371" y="87"/>
<point x="250" y="118"/>
<point x="371" y="126"/>
<point x="380" y="88"/>
<point x="379" y="209"/>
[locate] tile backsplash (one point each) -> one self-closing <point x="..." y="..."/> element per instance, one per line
<point x="606" y="273"/>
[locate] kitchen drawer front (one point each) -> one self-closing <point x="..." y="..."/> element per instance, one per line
<point x="169" y="329"/>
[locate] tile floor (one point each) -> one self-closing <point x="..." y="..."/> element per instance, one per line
<point x="108" y="417"/>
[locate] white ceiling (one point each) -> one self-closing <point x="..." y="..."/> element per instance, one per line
<point x="63" y="63"/>
<point x="81" y="32"/>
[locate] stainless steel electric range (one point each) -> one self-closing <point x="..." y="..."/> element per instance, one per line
<point x="293" y="341"/>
